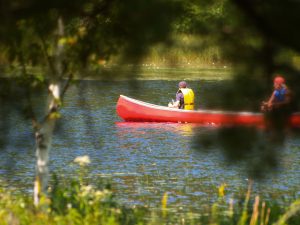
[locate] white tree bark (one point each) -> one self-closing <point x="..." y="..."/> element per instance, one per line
<point x="45" y="130"/>
<point x="43" y="137"/>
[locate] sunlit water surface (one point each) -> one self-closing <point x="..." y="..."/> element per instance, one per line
<point x="142" y="161"/>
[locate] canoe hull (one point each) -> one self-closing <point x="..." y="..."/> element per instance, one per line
<point x="137" y="111"/>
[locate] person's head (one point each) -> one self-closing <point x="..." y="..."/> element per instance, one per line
<point x="182" y="84"/>
<point x="278" y="81"/>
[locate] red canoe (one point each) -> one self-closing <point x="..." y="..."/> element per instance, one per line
<point x="134" y="110"/>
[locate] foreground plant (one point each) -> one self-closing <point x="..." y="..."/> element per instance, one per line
<point x="77" y="201"/>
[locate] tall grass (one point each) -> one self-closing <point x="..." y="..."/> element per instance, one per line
<point x="185" y="51"/>
<point x="76" y="201"/>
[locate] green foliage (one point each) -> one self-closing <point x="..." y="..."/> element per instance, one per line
<point x="94" y="30"/>
<point x="72" y="202"/>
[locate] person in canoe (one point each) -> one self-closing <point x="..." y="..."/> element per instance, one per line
<point x="280" y="98"/>
<point x="278" y="107"/>
<point x="184" y="97"/>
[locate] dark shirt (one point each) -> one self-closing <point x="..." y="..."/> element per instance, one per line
<point x="180" y="98"/>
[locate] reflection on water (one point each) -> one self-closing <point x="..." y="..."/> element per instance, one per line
<point x="142" y="160"/>
<point x="138" y="128"/>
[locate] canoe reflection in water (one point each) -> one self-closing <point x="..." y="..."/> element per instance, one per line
<point x="185" y="129"/>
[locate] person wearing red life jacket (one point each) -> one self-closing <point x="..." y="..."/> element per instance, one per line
<point x="184" y="97"/>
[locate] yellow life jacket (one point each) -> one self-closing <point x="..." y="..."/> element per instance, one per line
<point x="189" y="97"/>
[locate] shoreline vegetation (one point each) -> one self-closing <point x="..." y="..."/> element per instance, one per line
<point x="76" y="201"/>
<point x="188" y="57"/>
<point x="153" y="72"/>
<point x="181" y="60"/>
<point x="141" y="72"/>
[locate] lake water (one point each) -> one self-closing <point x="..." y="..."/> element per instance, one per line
<point x="142" y="161"/>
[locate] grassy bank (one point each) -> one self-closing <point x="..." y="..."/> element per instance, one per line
<point x="83" y="204"/>
<point x="75" y="201"/>
<point x="186" y="57"/>
<point x="141" y="72"/>
<point x="163" y="73"/>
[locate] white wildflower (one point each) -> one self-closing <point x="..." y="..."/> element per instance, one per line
<point x="87" y="190"/>
<point x="102" y="194"/>
<point x="82" y="160"/>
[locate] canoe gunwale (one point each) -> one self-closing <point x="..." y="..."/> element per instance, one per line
<point x="146" y="104"/>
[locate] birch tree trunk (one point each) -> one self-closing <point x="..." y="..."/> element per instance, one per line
<point x="44" y="131"/>
<point x="43" y="138"/>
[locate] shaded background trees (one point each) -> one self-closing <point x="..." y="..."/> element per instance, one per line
<point x="258" y="39"/>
